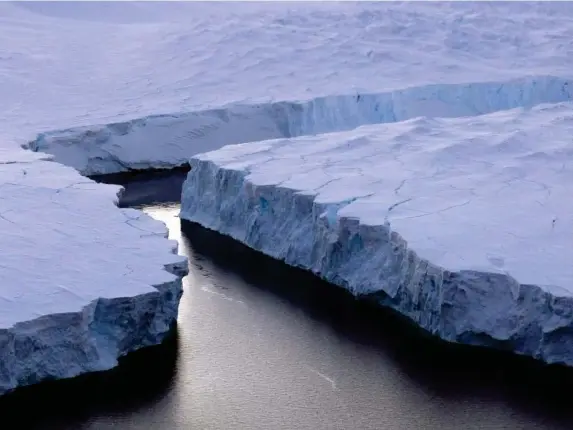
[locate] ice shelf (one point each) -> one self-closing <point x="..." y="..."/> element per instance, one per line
<point x="118" y="86"/>
<point x="149" y="86"/>
<point x="81" y="282"/>
<point x="463" y="225"/>
<point x="166" y="141"/>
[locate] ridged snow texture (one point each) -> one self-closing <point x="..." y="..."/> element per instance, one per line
<point x="66" y="345"/>
<point x="469" y="307"/>
<point x="165" y="141"/>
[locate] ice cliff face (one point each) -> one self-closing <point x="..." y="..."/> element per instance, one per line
<point x="65" y="345"/>
<point x="166" y="141"/>
<point x="284" y="85"/>
<point x="372" y="212"/>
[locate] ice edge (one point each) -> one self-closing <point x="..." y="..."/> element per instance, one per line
<point x="425" y="293"/>
<point x="461" y="307"/>
<point x="124" y="146"/>
<point x="64" y="345"/>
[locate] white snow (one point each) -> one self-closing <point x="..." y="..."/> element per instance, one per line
<point x="480" y="205"/>
<point x="138" y="85"/>
<point x="82" y="282"/>
<point x="298" y="68"/>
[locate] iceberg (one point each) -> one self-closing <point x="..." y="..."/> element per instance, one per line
<point x="462" y="225"/>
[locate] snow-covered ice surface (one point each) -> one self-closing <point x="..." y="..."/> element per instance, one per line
<point x="463" y="225"/>
<point x="108" y="87"/>
<point x="170" y="81"/>
<point x="81" y="281"/>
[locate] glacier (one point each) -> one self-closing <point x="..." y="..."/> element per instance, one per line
<point x="462" y="225"/>
<point x="104" y="88"/>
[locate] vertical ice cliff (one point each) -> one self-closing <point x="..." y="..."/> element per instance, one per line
<point x="449" y="222"/>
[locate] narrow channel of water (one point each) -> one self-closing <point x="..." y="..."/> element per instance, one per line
<point x="260" y="345"/>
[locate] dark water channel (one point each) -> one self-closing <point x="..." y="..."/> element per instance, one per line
<point x="263" y="346"/>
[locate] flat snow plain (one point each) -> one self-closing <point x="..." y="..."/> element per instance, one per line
<point x="108" y="87"/>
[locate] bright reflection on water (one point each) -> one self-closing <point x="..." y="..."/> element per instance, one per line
<point x="263" y="346"/>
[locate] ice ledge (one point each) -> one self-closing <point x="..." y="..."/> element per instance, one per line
<point x="65" y="345"/>
<point x="82" y="282"/>
<point x="324" y="203"/>
<point x="166" y="141"/>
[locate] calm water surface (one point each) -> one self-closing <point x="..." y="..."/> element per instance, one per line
<point x="263" y="346"/>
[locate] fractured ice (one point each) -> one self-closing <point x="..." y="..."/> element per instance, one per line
<point x="449" y="221"/>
